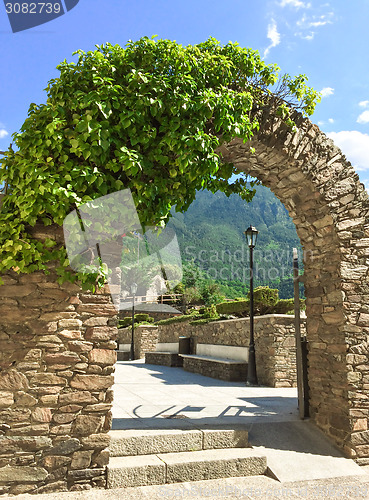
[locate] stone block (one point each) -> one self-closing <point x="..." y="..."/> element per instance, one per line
<point x="92" y="382"/>
<point x="13" y="381"/>
<point x="96" y="441"/>
<point x="70" y="334"/>
<point x="85" y="425"/>
<point x="81" y="459"/>
<point x="101" y="333"/>
<point x="213" y="464"/>
<point x="10" y="474"/>
<point x="102" y="356"/>
<point x="66" y="447"/>
<point x="146" y="470"/>
<point x="42" y="414"/>
<point x="363" y="320"/>
<point x="6" y="399"/>
<point x="101" y="458"/>
<point x="224" y="438"/>
<point x="47" y="379"/>
<point x="14" y="444"/>
<point x="150" y="441"/>
<point x="69" y="323"/>
<point x="54" y="462"/>
<point x="77" y="397"/>
<point x="64" y="358"/>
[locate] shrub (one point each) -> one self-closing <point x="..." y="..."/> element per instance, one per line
<point x="210" y="293"/>
<point x="284" y="306"/>
<point x="264" y="299"/>
<point x="193" y="296"/>
<point x="141" y="317"/>
<point x="210" y="312"/>
<point x="123" y="323"/>
<point x="239" y="307"/>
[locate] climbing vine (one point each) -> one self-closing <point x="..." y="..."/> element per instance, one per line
<point x="149" y="117"/>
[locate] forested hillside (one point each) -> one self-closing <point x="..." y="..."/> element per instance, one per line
<point x="211" y="234"/>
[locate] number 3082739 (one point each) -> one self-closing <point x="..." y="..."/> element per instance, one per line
<point x="33" y="8"/>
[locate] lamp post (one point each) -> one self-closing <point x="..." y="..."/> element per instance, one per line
<point x="251" y="235"/>
<point x="133" y="291"/>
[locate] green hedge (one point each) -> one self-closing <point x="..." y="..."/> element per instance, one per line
<point x="139" y="318"/>
<point x="234" y="307"/>
<point x="266" y="301"/>
<point x="142" y="317"/>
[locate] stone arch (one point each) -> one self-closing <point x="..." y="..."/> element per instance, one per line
<point x="330" y="209"/>
<point x="56" y="342"/>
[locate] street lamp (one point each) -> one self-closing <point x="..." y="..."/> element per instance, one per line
<point x="251" y="236"/>
<point x="133" y="291"/>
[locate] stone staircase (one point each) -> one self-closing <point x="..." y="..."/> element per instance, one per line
<point x="147" y="457"/>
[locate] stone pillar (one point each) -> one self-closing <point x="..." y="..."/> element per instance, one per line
<point x="57" y="355"/>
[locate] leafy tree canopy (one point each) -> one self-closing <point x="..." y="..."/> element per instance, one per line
<point x="148" y="116"/>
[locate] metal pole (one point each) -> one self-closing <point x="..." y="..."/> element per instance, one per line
<point x="133" y="330"/>
<point x="251" y="367"/>
<point x="299" y="367"/>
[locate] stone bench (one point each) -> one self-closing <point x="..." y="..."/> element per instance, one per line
<point x="166" y="354"/>
<point x="217" y="361"/>
<point x="124" y="352"/>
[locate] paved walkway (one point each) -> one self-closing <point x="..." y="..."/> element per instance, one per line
<point x="159" y="396"/>
<point x="303" y="462"/>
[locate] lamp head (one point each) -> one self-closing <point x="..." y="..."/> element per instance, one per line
<point x="134" y="288"/>
<point x="251" y="236"/>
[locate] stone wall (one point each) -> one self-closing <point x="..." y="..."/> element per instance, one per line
<point x="57" y="355"/>
<point x="274" y="343"/>
<point x="145" y="339"/>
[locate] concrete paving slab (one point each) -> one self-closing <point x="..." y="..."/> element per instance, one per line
<point x="296" y="450"/>
<point x="299" y="451"/>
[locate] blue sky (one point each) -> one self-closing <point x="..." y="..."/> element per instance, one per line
<point x="328" y="41"/>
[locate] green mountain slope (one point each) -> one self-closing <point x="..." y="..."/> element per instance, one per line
<point x="211" y="235"/>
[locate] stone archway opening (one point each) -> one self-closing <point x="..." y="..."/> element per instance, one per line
<point x="57" y="363"/>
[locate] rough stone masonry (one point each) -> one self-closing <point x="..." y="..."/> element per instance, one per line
<point x="57" y="356"/>
<point x="330" y="209"/>
<point x="57" y="345"/>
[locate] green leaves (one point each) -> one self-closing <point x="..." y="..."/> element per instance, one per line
<point x="149" y="117"/>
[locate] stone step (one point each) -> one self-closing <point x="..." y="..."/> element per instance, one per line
<point x="179" y="467"/>
<point x="152" y="441"/>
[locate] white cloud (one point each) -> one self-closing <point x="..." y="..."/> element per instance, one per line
<point x="330" y="120"/>
<point x="355" y="145"/>
<point x="295" y="3"/>
<point x="274" y="37"/>
<point x="364" y="104"/>
<point x="310" y="36"/>
<point x="3" y="133"/>
<point x="308" y="24"/>
<point x="315" y="24"/>
<point x="327" y="91"/>
<point x="363" y="117"/>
